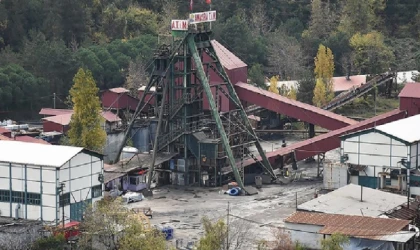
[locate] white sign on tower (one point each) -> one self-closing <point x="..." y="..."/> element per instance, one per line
<point x="179" y="25"/>
<point x="203" y="17"/>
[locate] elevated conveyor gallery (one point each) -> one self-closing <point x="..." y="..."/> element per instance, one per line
<point x="291" y="108"/>
<point x="326" y="142"/>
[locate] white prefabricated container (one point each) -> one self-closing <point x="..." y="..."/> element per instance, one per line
<point x="128" y="152"/>
<point x="335" y="175"/>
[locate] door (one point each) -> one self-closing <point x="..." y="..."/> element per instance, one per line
<point x="77" y="210"/>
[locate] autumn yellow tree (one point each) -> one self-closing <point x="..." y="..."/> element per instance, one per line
<point x="273" y="84"/>
<point x="292" y="93"/>
<point x="319" y="98"/>
<point x="86" y="122"/>
<point x="324" y="70"/>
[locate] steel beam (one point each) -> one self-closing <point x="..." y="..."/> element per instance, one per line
<point x="206" y="86"/>
<point x="243" y="114"/>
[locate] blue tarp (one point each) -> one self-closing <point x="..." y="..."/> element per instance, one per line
<point x="364" y="244"/>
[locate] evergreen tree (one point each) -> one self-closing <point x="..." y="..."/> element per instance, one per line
<point x="85" y="126"/>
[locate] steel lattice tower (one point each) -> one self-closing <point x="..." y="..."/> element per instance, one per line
<point x="180" y="79"/>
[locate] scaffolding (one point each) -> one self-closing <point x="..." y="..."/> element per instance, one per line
<point x="206" y="144"/>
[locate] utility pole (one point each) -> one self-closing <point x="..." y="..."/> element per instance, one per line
<point x="62" y="185"/>
<point x="227" y="229"/>
<point x="54" y="100"/>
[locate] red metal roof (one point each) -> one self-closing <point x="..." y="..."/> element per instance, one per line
<point x="292" y="108"/>
<point x="329" y="141"/>
<point x="4" y="130"/>
<point x="119" y="90"/>
<point x="351" y="225"/>
<point x="25" y="138"/>
<point x="49" y="111"/>
<point x="64" y="119"/>
<point x="342" y="84"/>
<point x="110" y="117"/>
<point x="227" y="59"/>
<point x="411" y="90"/>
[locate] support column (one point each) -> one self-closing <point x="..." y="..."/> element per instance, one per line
<point x="206" y="86"/>
<point x="311" y="130"/>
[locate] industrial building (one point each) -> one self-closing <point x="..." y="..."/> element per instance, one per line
<point x="38" y="181"/>
<point x="382" y="156"/>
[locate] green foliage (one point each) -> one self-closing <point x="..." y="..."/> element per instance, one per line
<point x="214" y="235"/>
<point x="335" y="242"/>
<point x="305" y="91"/>
<point x="19" y="88"/>
<point x="57" y="242"/>
<point x="86" y="123"/>
<point x="370" y="52"/>
<point x="256" y="75"/>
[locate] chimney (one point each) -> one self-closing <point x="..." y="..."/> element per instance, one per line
<point x="348" y="76"/>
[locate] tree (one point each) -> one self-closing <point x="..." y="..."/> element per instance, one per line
<point x="85" y="126"/>
<point x="321" y="22"/>
<point x="306" y="86"/>
<point x="220" y="236"/>
<point x="55" y="242"/>
<point x="137" y="76"/>
<point x="292" y="93"/>
<point x="319" y="98"/>
<point x="256" y="75"/>
<point x="273" y="85"/>
<point x="335" y="242"/>
<point x="324" y="70"/>
<point x="112" y="226"/>
<point x="371" y="55"/>
<point x="285" y="55"/>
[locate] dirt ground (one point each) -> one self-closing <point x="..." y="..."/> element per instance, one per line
<point x="182" y="208"/>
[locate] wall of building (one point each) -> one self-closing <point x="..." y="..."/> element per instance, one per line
<point x="307" y="235"/>
<point x="51" y="127"/>
<point x="411" y="105"/>
<point x="118" y="101"/>
<point x="39" y="185"/>
<point x="80" y="175"/>
<point x="374" y="149"/>
<point x="113" y="141"/>
<point x="415" y="155"/>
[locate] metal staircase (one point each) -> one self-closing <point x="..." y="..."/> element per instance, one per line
<point x="166" y="139"/>
<point x="353" y="93"/>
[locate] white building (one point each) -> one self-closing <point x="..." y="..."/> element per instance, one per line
<point x="31" y="175"/>
<point x="378" y="157"/>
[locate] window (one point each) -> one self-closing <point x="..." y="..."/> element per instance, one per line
<point x="19" y="197"/>
<point x="97" y="191"/>
<point x="4" y="196"/>
<point x="33" y="199"/>
<point x="134" y="181"/>
<point x="64" y="199"/>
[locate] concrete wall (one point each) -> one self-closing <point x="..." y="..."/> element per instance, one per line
<point x="307" y="235"/>
<point x="113" y="140"/>
<point x="374" y="149"/>
<point x="79" y="175"/>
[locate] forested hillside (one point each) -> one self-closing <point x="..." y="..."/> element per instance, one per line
<point x="44" y="42"/>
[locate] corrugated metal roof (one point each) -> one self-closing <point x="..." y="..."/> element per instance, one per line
<point x="65" y="119"/>
<point x="17" y="152"/>
<point x="110" y="117"/>
<point x="411" y="90"/>
<point x="227" y="59"/>
<point x="404" y="212"/>
<point x="346" y="200"/>
<point x="25" y="138"/>
<point x="119" y="90"/>
<point x="405" y="129"/>
<point x="351" y="225"/>
<point x="342" y="84"/>
<point x="48" y="111"/>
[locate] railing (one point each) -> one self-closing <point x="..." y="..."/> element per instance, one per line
<point x="348" y="96"/>
<point x="177" y="132"/>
